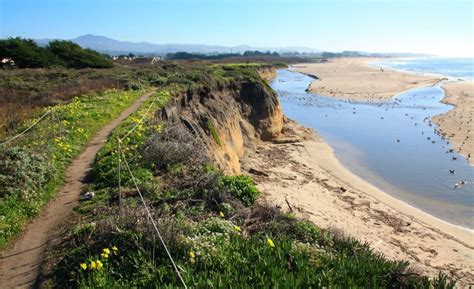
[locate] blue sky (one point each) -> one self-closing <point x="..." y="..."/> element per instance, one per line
<point x="429" y="26"/>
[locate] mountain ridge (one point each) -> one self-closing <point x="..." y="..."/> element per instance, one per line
<point x="112" y="46"/>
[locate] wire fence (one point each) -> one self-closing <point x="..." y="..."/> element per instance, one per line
<point x="150" y="217"/>
<point x="27" y="129"/>
<point x="121" y="157"/>
<point x="139" y="122"/>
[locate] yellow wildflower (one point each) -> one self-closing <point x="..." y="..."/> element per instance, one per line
<point x="99" y="264"/>
<point x="192" y="255"/>
<point x="93" y="265"/>
<point x="221" y="214"/>
<point x="104" y="255"/>
<point x="270" y="243"/>
<point x="83" y="266"/>
<point x="115" y="250"/>
<point x="237" y="228"/>
<point x="106" y="251"/>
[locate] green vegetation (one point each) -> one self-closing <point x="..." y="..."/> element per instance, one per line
<point x="216" y="232"/>
<point x="27" y="54"/>
<point x="72" y="55"/>
<point x="186" y="55"/>
<point x="241" y="187"/>
<point x="213" y="131"/>
<point x="32" y="169"/>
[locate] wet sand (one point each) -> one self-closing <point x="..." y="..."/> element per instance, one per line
<point x="355" y="79"/>
<point x="307" y="179"/>
<point x="457" y="124"/>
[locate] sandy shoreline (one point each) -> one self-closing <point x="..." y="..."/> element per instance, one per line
<point x="457" y="125"/>
<point x="355" y="79"/>
<point x="307" y="179"/>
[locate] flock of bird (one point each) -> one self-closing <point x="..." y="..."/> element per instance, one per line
<point x="308" y="100"/>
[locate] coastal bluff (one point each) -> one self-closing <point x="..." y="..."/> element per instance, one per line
<point x="230" y="118"/>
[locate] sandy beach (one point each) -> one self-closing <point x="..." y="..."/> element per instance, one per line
<point x="457" y="125"/>
<point x="308" y="180"/>
<point x="355" y="79"/>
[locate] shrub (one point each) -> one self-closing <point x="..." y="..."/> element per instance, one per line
<point x="171" y="146"/>
<point x="241" y="187"/>
<point x="22" y="172"/>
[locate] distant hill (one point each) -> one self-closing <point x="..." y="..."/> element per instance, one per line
<point x="115" y="47"/>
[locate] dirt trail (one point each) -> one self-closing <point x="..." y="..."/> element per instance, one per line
<point x="21" y="261"/>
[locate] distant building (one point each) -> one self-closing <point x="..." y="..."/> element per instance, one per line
<point x="146" y="60"/>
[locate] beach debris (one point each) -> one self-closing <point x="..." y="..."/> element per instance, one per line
<point x="398" y="140"/>
<point x="455" y="158"/>
<point x="289" y="205"/>
<point x="258" y="172"/>
<point x="89" y="196"/>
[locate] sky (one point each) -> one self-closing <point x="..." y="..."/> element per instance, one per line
<point x="440" y="27"/>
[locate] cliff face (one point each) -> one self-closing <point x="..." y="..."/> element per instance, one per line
<point x="229" y="119"/>
<point x="267" y="73"/>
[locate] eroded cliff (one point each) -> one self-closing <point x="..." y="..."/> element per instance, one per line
<point x="229" y="118"/>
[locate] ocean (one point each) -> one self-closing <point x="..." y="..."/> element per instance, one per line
<point x="455" y="68"/>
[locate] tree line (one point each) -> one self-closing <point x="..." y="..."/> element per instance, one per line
<point x="186" y="55"/>
<point x="27" y="54"/>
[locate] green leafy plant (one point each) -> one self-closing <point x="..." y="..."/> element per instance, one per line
<point x="242" y="187"/>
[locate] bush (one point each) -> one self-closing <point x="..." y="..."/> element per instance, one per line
<point x="241" y="187"/>
<point x="174" y="145"/>
<point x="22" y="172"/>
